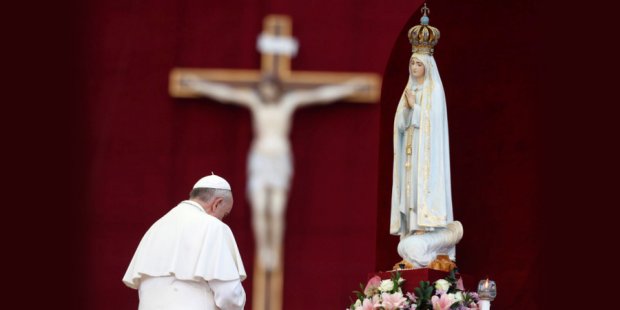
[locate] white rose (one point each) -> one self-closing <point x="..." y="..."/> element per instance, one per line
<point x="458" y="296"/>
<point x="442" y="285"/>
<point x="358" y="304"/>
<point x="450" y="299"/>
<point x="386" y="285"/>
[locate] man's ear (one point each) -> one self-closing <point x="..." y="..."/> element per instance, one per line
<point x="211" y="205"/>
<point x="216" y="202"/>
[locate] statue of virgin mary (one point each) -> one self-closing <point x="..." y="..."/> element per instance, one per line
<point x="421" y="208"/>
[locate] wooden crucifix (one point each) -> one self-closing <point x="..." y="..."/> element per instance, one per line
<point x="272" y="95"/>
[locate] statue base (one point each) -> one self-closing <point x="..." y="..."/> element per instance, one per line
<point x="441" y="263"/>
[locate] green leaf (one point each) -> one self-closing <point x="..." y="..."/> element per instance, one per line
<point x="455" y="305"/>
<point x="423" y="294"/>
<point x="452" y="275"/>
<point x="360" y="295"/>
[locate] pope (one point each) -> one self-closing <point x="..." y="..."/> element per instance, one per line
<point x="189" y="259"/>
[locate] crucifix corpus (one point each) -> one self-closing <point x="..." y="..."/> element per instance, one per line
<point x="272" y="95"/>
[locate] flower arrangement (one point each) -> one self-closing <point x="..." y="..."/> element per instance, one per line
<point x="444" y="294"/>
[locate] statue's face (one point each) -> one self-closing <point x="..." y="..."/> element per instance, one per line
<point x="417" y="68"/>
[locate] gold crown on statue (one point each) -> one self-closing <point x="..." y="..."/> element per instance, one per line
<point x="423" y="37"/>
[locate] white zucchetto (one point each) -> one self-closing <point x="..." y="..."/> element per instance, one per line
<point x="212" y="181"/>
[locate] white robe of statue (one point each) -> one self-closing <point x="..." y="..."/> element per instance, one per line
<point x="421" y="208"/>
<point x="270" y="164"/>
<point x="187" y="260"/>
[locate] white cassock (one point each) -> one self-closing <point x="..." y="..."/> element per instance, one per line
<point x="187" y="260"/>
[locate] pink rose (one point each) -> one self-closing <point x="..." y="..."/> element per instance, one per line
<point x="393" y="301"/>
<point x="366" y="305"/>
<point x="372" y="285"/>
<point x="376" y="301"/>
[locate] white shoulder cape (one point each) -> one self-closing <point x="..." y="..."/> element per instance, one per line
<point x="189" y="244"/>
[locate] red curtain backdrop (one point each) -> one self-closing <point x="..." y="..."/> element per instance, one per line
<point x="145" y="149"/>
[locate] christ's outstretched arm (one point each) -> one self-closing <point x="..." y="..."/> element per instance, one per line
<point x="324" y="94"/>
<point x="221" y="92"/>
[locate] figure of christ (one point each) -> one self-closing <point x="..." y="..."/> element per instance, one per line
<point x="270" y="162"/>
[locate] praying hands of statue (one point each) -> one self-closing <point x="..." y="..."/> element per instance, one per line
<point x="410" y="96"/>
